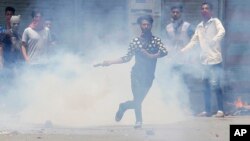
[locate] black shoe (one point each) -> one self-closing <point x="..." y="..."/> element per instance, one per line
<point x="119" y="114"/>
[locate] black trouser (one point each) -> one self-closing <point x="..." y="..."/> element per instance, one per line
<point x="211" y="81"/>
<point x="140" y="87"/>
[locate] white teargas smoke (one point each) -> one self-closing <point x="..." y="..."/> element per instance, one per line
<point x="71" y="92"/>
<point x="75" y="94"/>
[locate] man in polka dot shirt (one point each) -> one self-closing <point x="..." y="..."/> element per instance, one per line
<point x="146" y="49"/>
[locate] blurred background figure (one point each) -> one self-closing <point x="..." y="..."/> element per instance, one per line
<point x="10" y="44"/>
<point x="53" y="42"/>
<point x="48" y="25"/>
<point x="4" y="31"/>
<point x="10" y="53"/>
<point x="9" y="11"/>
<point x="178" y="33"/>
<point x="35" y="40"/>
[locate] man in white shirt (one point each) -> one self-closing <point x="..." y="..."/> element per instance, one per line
<point x="208" y="35"/>
<point x="35" y="40"/>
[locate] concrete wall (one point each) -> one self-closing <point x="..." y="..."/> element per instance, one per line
<point x="237" y="50"/>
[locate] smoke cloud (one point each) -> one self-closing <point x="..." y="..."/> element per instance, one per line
<point x="68" y="91"/>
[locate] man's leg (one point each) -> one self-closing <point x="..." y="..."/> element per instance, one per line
<point x="138" y="99"/>
<point x="206" y="91"/>
<point x="219" y="96"/>
<point x="140" y="88"/>
<point x="216" y="73"/>
<point x="139" y="92"/>
<point x="207" y="97"/>
<point x="123" y="107"/>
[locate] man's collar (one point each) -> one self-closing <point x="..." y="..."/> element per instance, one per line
<point x="210" y="20"/>
<point x="204" y="23"/>
<point x="180" y="20"/>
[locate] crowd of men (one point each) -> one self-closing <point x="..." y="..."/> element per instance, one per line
<point x="33" y="44"/>
<point x="147" y="48"/>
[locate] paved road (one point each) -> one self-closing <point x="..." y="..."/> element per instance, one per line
<point x="194" y="129"/>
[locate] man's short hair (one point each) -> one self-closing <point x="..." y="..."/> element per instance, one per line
<point x="148" y="18"/>
<point x="210" y="5"/>
<point x="9" y="8"/>
<point x="180" y="7"/>
<point x="35" y="12"/>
